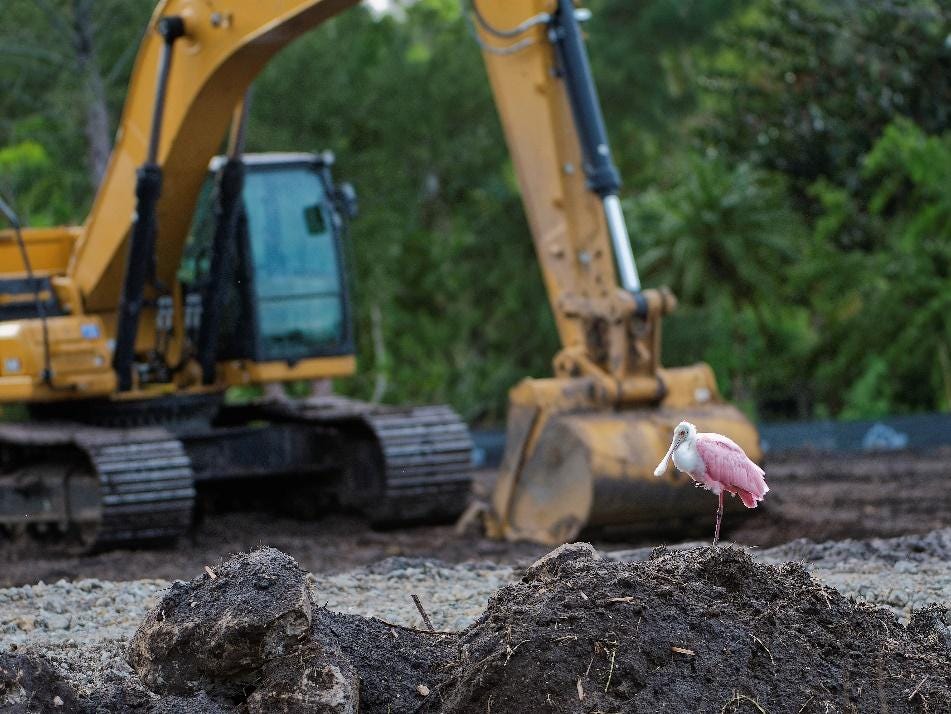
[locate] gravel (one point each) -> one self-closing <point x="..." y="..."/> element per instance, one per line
<point x="902" y="574"/>
<point x="89" y="612"/>
<point x="82" y="626"/>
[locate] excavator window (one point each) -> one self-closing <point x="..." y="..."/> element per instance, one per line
<point x="297" y="274"/>
<point x="289" y="298"/>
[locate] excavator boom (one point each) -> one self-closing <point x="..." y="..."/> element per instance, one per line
<point x="581" y="447"/>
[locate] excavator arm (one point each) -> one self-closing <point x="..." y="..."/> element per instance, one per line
<point x="226" y="43"/>
<point x="581" y="447"/>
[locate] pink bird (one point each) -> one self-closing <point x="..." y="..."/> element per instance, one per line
<point x="718" y="464"/>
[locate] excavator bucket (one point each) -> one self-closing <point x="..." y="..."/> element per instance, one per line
<point x="570" y="464"/>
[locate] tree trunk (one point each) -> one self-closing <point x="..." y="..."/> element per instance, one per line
<point x="98" y="140"/>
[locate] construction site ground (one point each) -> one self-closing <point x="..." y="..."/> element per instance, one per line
<point x="818" y="497"/>
<point x="874" y="527"/>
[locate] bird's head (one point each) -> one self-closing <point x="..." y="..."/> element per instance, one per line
<point x="684" y="431"/>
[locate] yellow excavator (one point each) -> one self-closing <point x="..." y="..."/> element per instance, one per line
<point x="195" y="273"/>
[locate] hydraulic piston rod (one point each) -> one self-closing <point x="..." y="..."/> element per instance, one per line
<point x="599" y="168"/>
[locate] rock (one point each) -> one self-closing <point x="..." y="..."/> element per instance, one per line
<point x="257" y="608"/>
<point x="242" y="631"/>
<point x="57" y="622"/>
<point x="27" y="623"/>
<point x="315" y="687"/>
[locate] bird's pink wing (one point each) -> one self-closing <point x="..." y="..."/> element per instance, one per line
<point x="729" y="465"/>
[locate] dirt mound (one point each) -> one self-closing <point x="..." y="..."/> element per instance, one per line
<point x="702" y="630"/>
<point x="247" y="635"/>
<point x="706" y="630"/>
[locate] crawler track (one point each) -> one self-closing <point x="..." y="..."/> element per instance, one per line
<point x="426" y="469"/>
<point x="146" y="485"/>
<point x="97" y="487"/>
<point x="112" y="486"/>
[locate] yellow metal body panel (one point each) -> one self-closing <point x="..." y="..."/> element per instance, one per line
<point x="79" y="359"/>
<point x="226" y="45"/>
<point x="246" y="372"/>
<point x="49" y="250"/>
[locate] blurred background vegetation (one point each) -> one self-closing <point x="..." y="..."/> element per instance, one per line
<point x="787" y="168"/>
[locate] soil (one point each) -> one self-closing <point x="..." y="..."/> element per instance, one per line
<point x="815" y="496"/>
<point x="393" y="662"/>
<point x="834" y="496"/>
<point x="691" y="630"/>
<point x="701" y="630"/>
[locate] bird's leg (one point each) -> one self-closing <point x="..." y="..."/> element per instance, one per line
<point x="716" y="533"/>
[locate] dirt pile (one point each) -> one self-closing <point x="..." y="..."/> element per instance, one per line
<point x="702" y="630"/>
<point x="705" y="630"/>
<point x="246" y="637"/>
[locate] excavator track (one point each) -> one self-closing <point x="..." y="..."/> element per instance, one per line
<point x="113" y="486"/>
<point x="412" y="463"/>
<point x="108" y="487"/>
<point x="146" y="485"/>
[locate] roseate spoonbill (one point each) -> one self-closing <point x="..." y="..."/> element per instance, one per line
<point x="718" y="464"/>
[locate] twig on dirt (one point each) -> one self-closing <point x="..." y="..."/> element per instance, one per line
<point x="412" y="629"/>
<point x="760" y="643"/>
<point x="211" y="573"/>
<point x="580" y="691"/>
<point x="737" y="697"/>
<point x="683" y="651"/>
<point x="422" y="612"/>
<point x="622" y="599"/>
<point x="912" y="695"/>
<point x="511" y="650"/>
<point x="590" y="662"/>
<point x="811" y="697"/>
<point x="566" y="637"/>
<point x="610" y="671"/>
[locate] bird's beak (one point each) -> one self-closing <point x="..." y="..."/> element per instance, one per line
<point x="662" y="466"/>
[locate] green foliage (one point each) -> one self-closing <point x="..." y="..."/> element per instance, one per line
<point x="787" y="164"/>
<point x="847" y="101"/>
<point x="889" y="310"/>
<point x="805" y="86"/>
<point x="722" y="236"/>
<point x="716" y="232"/>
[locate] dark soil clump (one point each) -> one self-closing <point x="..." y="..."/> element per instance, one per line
<point x="706" y="630"/>
<point x="391" y="661"/>
<point x="30" y="683"/>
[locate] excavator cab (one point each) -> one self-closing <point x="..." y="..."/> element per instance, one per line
<point x="286" y="293"/>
